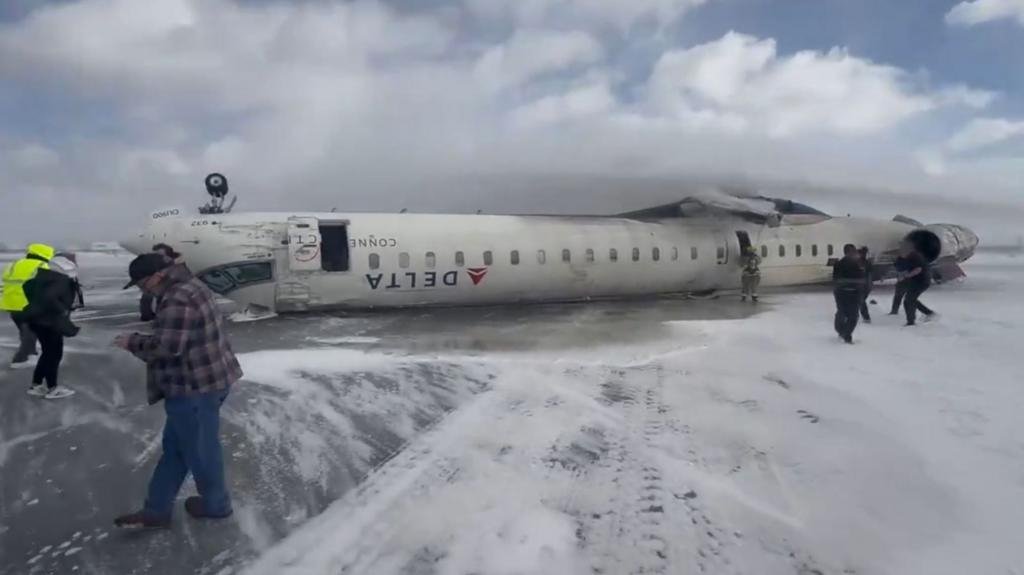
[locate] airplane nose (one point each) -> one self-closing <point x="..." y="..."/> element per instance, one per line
<point x="136" y="244"/>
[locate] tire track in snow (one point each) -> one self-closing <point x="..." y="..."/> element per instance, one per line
<point x="350" y="535"/>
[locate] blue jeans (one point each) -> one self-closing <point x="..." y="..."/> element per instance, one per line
<point x="191" y="442"/>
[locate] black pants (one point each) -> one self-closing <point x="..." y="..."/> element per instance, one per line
<point x="848" y="303"/>
<point x="27" y="339"/>
<point x="49" y="361"/>
<point x="865" y="314"/>
<point x="897" y="297"/>
<point x="912" y="304"/>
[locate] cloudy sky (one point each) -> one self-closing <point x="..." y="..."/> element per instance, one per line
<point x="112" y="108"/>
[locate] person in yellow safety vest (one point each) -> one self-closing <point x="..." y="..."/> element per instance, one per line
<point x="14" y="301"/>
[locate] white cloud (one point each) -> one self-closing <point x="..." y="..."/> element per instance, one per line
<point x="983" y="132"/>
<point x="743" y="82"/>
<point x="361" y="106"/>
<point x="532" y="52"/>
<point x="34" y="156"/>
<point x="974" y="12"/>
<point x="592" y="98"/>
<point x="621" y="14"/>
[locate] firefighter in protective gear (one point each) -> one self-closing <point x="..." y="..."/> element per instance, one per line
<point x="751" y="277"/>
<point x="14" y="301"/>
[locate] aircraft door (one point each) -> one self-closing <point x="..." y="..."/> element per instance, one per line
<point x="744" y="239"/>
<point x="303" y="244"/>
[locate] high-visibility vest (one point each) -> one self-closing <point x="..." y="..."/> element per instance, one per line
<point x="19" y="272"/>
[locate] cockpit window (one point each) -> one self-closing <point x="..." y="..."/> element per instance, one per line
<point x="225" y="279"/>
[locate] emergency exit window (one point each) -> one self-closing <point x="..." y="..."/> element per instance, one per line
<point x="613" y="255"/>
<point x="514" y="257"/>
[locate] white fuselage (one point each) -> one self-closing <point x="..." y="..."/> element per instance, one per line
<point x="295" y="262"/>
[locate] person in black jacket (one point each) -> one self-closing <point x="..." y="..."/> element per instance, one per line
<point x="848" y="281"/>
<point x="918" y="278"/>
<point x="869" y="280"/>
<point x="900" y="265"/>
<point x="51" y="296"/>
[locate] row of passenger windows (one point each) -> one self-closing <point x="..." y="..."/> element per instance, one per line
<point x="430" y="258"/>
<point x="799" y="250"/>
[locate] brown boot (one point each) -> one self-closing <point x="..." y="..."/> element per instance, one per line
<point x="141" y="519"/>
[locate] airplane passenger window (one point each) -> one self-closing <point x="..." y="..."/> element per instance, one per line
<point x="693" y="253"/>
<point x="460" y="259"/>
<point x="488" y="258"/>
<point x="590" y="256"/>
<point x="403" y="260"/>
<point x="431" y="260"/>
<point x="636" y="254"/>
<point x="799" y="250"/>
<point x="764" y="252"/>
<point x="613" y="255"/>
<point x="814" y="250"/>
<point x="566" y="256"/>
<point x="656" y="254"/>
<point x="782" y="251"/>
<point x="831" y="250"/>
<point x="514" y="257"/>
<point x="721" y="253"/>
<point x="541" y="257"/>
<point x="374" y="261"/>
<point x="675" y="253"/>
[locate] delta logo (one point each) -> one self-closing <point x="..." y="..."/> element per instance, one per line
<point x="477" y="274"/>
<point x="417" y="280"/>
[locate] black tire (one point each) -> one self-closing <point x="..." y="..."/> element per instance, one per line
<point x="216" y="185"/>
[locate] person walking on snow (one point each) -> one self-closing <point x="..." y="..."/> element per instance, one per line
<point x="848" y="281"/>
<point x="751" y="274"/>
<point x="917" y="279"/>
<point x="51" y="296"/>
<point x="869" y="269"/>
<point x="191" y="367"/>
<point x="14" y="301"/>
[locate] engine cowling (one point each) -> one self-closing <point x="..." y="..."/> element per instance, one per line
<point x="942" y="241"/>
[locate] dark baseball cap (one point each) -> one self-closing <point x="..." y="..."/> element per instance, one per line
<point x="144" y="266"/>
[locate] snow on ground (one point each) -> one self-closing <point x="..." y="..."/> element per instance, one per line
<point x="761" y="445"/>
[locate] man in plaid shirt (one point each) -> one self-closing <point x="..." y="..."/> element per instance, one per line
<point x="191" y="367"/>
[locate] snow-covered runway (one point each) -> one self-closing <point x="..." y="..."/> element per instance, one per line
<point x="637" y="438"/>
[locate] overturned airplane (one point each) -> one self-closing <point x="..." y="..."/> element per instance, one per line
<point x="293" y="261"/>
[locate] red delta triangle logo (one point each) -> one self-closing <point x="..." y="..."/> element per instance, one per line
<point x="477" y="274"/>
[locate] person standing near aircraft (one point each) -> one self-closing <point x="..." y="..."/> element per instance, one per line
<point x="900" y="265"/>
<point x="917" y="279"/>
<point x="191" y="367"/>
<point x="51" y="295"/>
<point x="848" y="282"/>
<point x="751" y="274"/>
<point x="869" y="268"/>
<point x="14" y="301"/>
<point x="147" y="304"/>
